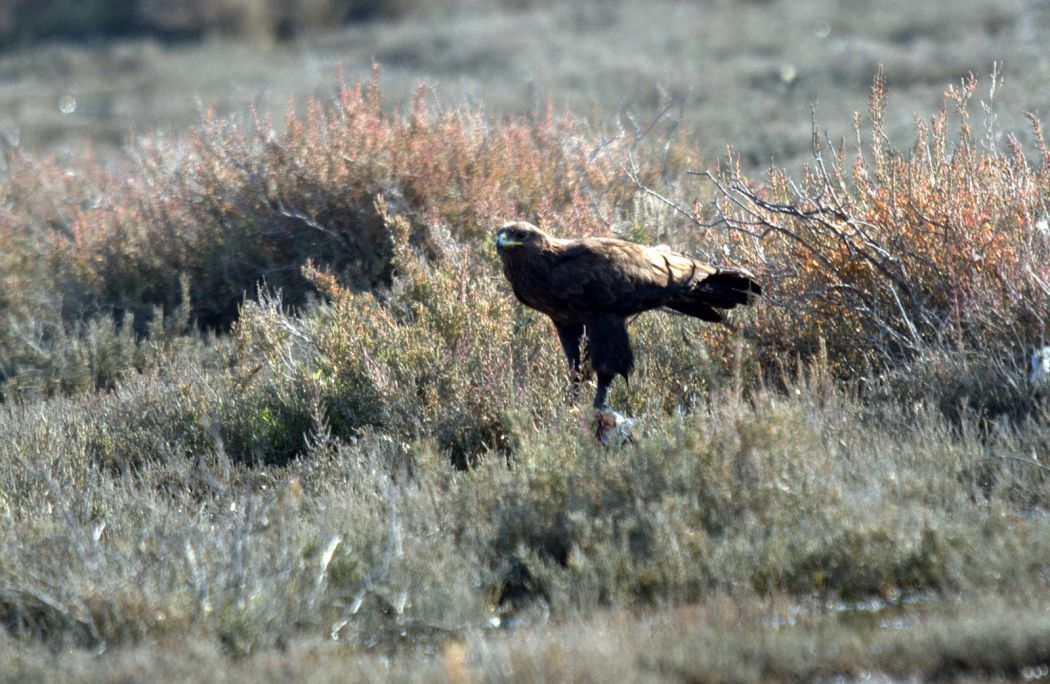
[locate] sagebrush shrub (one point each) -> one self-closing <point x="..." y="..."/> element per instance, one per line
<point x="207" y="219"/>
<point x="884" y="254"/>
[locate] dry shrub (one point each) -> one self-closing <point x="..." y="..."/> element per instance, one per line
<point x="240" y="204"/>
<point x="883" y="255"/>
<point x="244" y="203"/>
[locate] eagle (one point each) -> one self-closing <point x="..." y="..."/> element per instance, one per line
<point x="593" y="285"/>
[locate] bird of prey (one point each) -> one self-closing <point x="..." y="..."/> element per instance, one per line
<point x="592" y="285"/>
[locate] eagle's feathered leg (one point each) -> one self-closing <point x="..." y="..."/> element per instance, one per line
<point x="604" y="383"/>
<point x="609" y="349"/>
<point x="569" y="335"/>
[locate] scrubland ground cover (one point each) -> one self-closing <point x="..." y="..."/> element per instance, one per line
<point x="270" y="411"/>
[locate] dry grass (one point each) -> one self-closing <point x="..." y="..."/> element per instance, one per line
<point x="376" y="474"/>
<point x="722" y="640"/>
<point x="763" y="514"/>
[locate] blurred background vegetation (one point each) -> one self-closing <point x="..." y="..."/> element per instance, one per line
<point x="26" y="21"/>
<point x="270" y="411"/>
<point x="740" y="72"/>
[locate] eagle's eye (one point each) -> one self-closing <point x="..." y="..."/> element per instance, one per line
<point x="512" y="236"/>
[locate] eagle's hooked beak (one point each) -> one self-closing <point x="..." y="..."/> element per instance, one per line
<point x="503" y="239"/>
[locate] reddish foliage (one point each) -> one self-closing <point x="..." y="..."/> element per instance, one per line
<point x="241" y="203"/>
<point x="893" y="253"/>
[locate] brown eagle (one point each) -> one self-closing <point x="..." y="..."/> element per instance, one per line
<point x="593" y="284"/>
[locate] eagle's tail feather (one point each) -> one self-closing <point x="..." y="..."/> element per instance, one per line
<point x="722" y="290"/>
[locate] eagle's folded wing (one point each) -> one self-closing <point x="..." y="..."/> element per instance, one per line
<point x="616" y="275"/>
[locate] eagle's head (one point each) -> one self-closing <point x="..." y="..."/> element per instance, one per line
<point x="518" y="234"/>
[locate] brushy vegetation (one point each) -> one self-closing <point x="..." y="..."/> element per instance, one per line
<point x="201" y="223"/>
<point x="22" y="20"/>
<point x="883" y="253"/>
<point x="269" y="404"/>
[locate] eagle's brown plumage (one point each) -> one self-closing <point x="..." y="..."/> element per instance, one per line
<point x="593" y="284"/>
